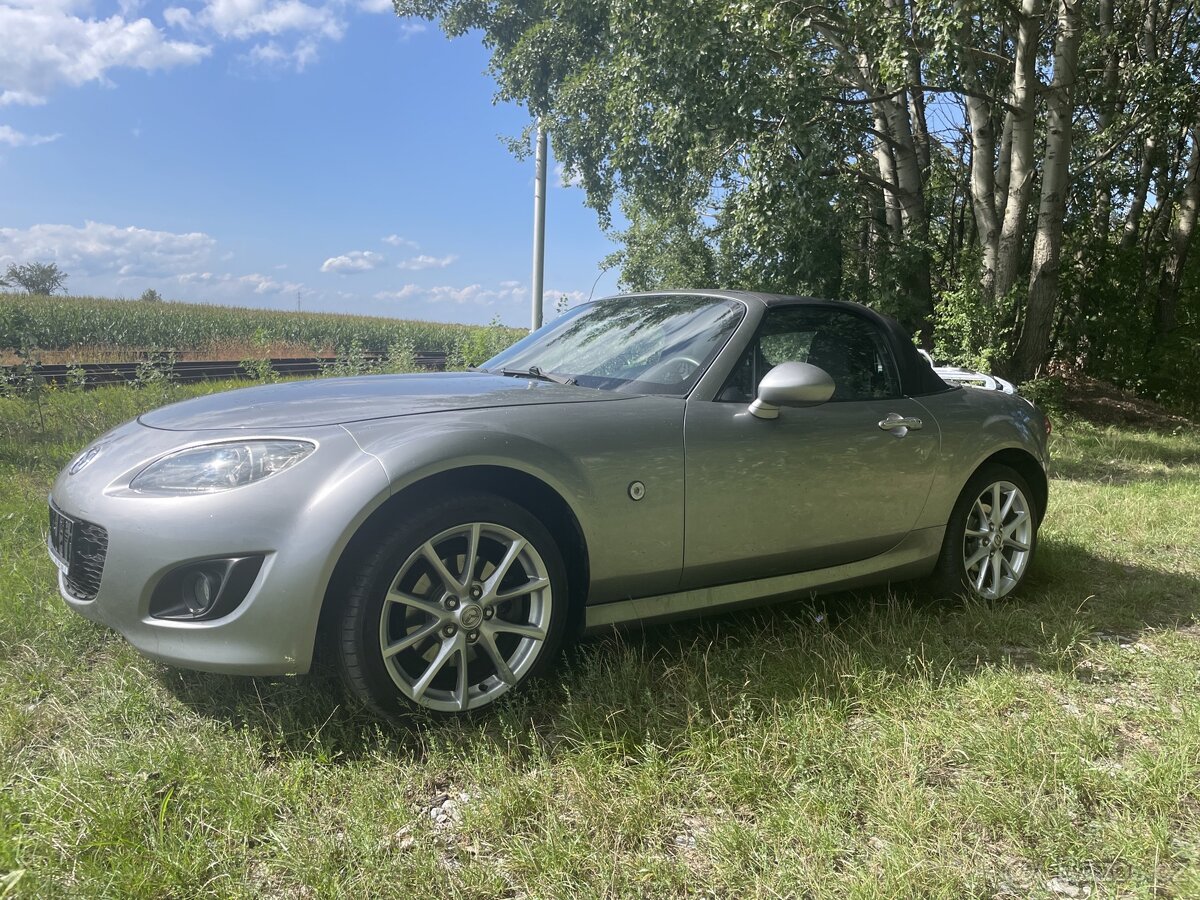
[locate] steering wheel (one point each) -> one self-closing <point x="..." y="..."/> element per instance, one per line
<point x="665" y="367"/>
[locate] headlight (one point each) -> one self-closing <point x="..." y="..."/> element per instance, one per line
<point x="219" y="467"/>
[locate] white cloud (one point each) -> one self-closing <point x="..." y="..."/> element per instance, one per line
<point x="289" y="32"/>
<point x="46" y="46"/>
<point x="396" y="241"/>
<point x="472" y="293"/>
<point x="508" y="293"/>
<point x="272" y="53"/>
<point x="354" y="261"/>
<point x="376" y="6"/>
<point x="416" y="263"/>
<point x="237" y="284"/>
<point x="14" y="138"/>
<point x="98" y="248"/>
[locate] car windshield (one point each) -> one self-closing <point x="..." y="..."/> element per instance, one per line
<point x="643" y="345"/>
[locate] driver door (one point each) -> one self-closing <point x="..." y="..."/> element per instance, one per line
<point x="819" y="486"/>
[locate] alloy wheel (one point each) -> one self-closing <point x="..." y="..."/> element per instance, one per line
<point x="466" y="617"/>
<point x="997" y="540"/>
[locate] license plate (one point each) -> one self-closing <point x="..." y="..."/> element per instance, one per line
<point x="62" y="535"/>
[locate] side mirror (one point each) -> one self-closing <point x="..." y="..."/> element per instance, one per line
<point x="791" y="384"/>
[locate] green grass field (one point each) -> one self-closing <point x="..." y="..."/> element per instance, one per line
<point x="91" y="325"/>
<point x="852" y="746"/>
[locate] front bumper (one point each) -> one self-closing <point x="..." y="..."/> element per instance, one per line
<point x="299" y="521"/>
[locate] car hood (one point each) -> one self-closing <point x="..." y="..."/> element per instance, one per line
<point x="336" y="401"/>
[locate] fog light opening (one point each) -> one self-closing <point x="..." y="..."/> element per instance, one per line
<point x="206" y="589"/>
<point x="200" y="591"/>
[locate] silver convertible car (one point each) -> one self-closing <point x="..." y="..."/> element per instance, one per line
<point x="642" y="458"/>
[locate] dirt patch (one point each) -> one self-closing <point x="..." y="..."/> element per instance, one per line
<point x="1106" y="404"/>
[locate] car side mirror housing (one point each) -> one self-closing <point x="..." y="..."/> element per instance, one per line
<point x="791" y="384"/>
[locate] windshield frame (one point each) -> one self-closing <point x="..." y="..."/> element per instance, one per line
<point x="681" y="389"/>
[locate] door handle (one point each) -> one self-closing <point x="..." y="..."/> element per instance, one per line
<point x="899" y="424"/>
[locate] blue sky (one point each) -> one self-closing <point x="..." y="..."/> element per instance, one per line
<point x="269" y="152"/>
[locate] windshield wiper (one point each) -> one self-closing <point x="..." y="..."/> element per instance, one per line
<point x="535" y="372"/>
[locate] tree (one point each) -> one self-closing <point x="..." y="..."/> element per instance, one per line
<point x="890" y="152"/>
<point x="35" y="278"/>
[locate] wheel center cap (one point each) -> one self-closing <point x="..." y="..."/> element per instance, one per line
<point x="471" y="615"/>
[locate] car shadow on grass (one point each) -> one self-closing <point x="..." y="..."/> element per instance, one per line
<point x="650" y="682"/>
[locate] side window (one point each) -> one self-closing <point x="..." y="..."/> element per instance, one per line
<point x="850" y="348"/>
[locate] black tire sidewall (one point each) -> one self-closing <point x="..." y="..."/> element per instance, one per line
<point x="359" y="656"/>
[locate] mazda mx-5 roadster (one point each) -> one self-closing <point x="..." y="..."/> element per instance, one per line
<point x="642" y="458"/>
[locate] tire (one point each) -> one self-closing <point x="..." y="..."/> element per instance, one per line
<point x="411" y="638"/>
<point x="976" y="561"/>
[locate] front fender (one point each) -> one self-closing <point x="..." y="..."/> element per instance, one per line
<point x="588" y="453"/>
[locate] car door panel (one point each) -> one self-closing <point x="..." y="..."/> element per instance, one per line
<point x="816" y="487"/>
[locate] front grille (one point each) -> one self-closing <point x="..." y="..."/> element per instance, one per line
<point x="85" y="564"/>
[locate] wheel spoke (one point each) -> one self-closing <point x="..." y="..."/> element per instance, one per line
<point x="439" y="566"/>
<point x="445" y="651"/>
<point x="503" y="672"/>
<point x="976" y="557"/>
<point x="525" y="630"/>
<point x="510" y="557"/>
<point x="1005" y="564"/>
<point x="1016" y="545"/>
<point x="995" y="515"/>
<point x="1008" y="505"/>
<point x="460" y="693"/>
<point x="995" y="569"/>
<point x="981" y="577"/>
<point x="533" y="584"/>
<point x="1011" y="528"/>
<point x="426" y="606"/>
<point x="977" y="533"/>
<point x="468" y="573"/>
<point x="412" y="639"/>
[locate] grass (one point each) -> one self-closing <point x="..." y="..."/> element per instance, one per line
<point x="852" y="746"/>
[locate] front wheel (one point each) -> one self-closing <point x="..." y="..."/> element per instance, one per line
<point x="991" y="536"/>
<point x="455" y="607"/>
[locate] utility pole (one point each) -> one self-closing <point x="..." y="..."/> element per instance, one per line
<point x="539" y="225"/>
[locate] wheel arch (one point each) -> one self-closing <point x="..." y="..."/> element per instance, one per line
<point x="521" y="488"/>
<point x="1027" y="466"/>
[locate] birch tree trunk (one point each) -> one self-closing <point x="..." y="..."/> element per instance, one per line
<point x="1021" y="163"/>
<point x="1033" y="348"/>
<point x="1166" y="307"/>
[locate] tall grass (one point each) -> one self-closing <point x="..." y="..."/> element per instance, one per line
<point x="60" y="323"/>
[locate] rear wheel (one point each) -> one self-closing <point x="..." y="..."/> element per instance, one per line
<point x="991" y="536"/>
<point x="455" y="607"/>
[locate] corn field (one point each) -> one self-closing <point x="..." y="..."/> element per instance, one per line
<point x="62" y="323"/>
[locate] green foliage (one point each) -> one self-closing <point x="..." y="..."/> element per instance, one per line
<point x="59" y="323"/>
<point x="155" y="373"/>
<point x="150" y="295"/>
<point x="780" y="147"/>
<point x="1048" y="392"/>
<point x="259" y="370"/>
<point x="353" y="360"/>
<point x="24" y="382"/>
<point x="968" y="329"/>
<point x="41" y="279"/>
<point x="484" y="343"/>
<point x="400" y="357"/>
